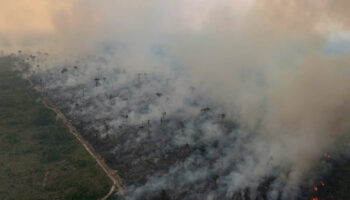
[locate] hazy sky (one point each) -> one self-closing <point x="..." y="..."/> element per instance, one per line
<point x="28" y="23"/>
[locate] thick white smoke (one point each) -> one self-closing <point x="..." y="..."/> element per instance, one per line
<point x="262" y="64"/>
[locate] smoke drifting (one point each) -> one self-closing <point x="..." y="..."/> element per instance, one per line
<point x="236" y="93"/>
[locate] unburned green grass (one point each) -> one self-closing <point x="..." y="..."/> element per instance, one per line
<point x="39" y="158"/>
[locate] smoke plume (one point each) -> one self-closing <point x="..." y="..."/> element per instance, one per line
<point x="221" y="96"/>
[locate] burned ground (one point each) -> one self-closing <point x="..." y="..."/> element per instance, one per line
<point x="168" y="142"/>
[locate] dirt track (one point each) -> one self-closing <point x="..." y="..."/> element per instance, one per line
<point x="112" y="174"/>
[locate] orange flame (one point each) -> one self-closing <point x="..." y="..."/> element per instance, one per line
<point x="322" y="183"/>
<point x="315" y="198"/>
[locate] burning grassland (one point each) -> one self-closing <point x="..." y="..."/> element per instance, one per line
<point x="167" y="140"/>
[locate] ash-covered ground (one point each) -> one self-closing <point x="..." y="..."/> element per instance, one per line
<point x="167" y="141"/>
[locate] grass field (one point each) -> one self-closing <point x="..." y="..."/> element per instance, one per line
<point x="39" y="158"/>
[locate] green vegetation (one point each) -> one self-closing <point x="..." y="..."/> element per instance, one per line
<point x="39" y="158"/>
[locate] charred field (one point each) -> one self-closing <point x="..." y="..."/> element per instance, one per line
<point x="163" y="149"/>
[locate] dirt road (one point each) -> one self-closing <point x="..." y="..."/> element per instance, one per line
<point x="112" y="174"/>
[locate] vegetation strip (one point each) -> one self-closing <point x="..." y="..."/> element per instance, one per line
<point x="112" y="174"/>
<point x="39" y="158"/>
